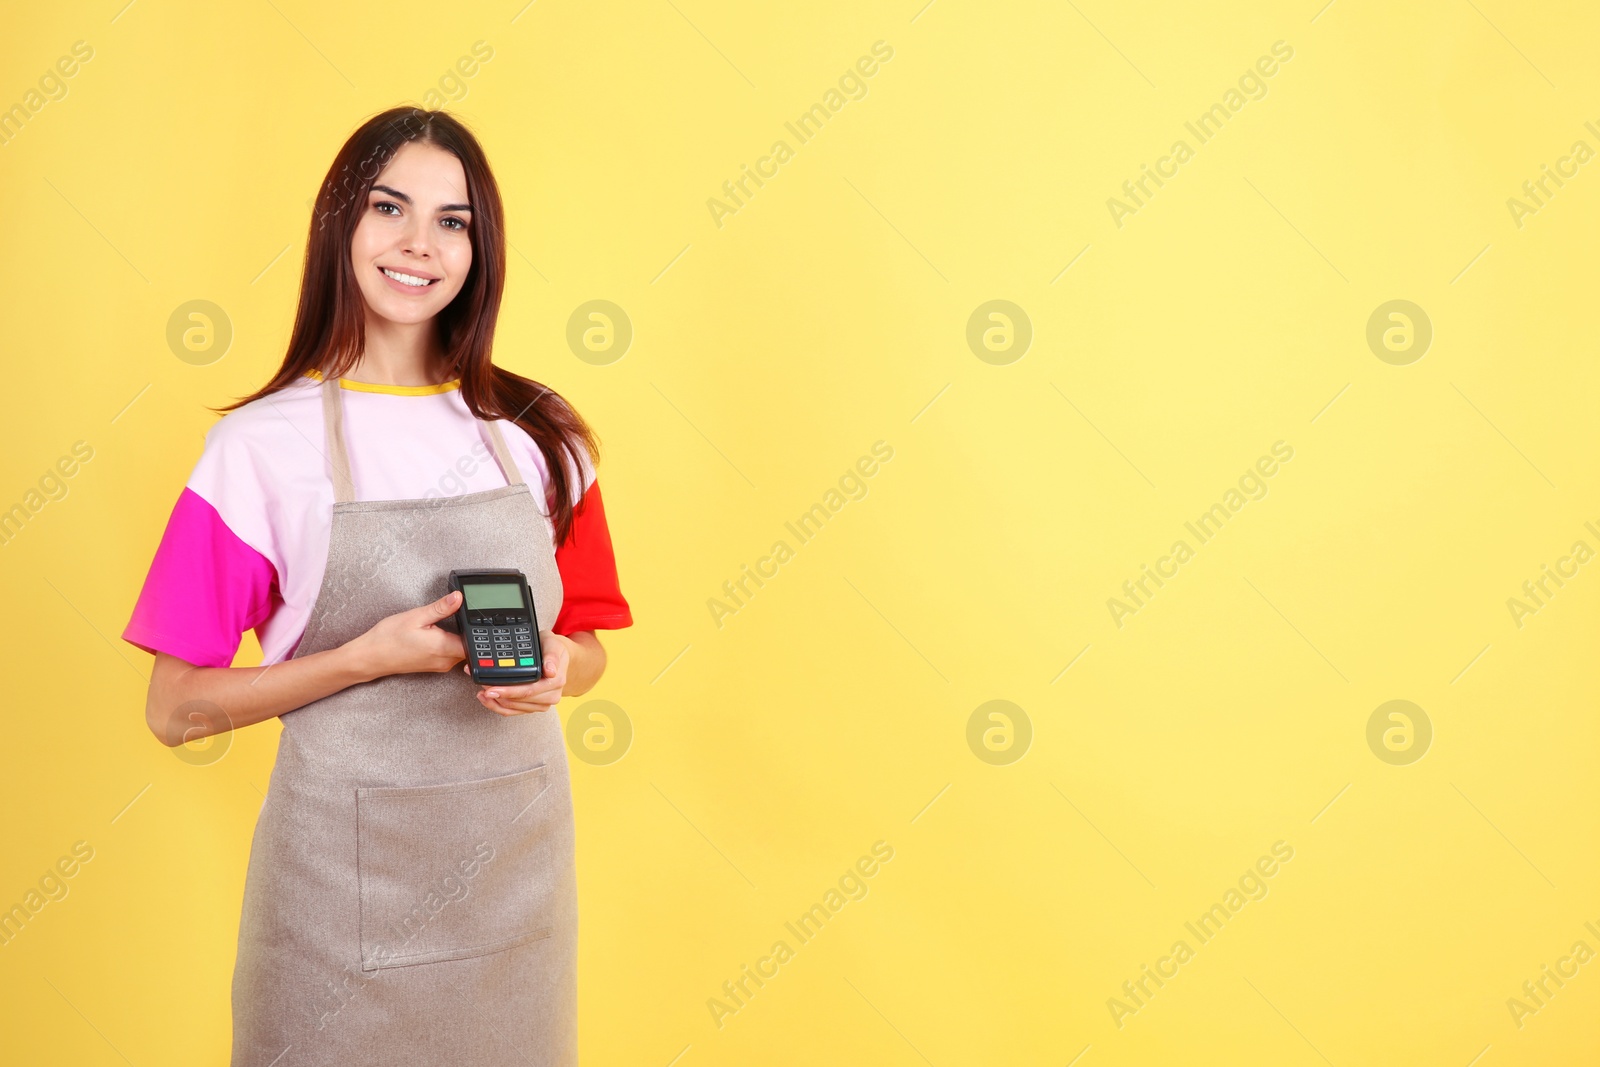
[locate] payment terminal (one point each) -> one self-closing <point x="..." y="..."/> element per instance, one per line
<point x="498" y="626"/>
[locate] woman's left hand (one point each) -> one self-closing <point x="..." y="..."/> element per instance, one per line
<point x="532" y="696"/>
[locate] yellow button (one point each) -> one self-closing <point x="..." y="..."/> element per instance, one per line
<point x="506" y="663"/>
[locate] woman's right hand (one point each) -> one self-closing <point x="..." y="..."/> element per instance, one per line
<point x="409" y="642"/>
<point x="186" y="702"/>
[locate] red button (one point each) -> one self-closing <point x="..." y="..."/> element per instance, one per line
<point x="486" y="663"/>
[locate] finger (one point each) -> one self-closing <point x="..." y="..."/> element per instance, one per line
<point x="441" y="608"/>
<point x="524" y="689"/>
<point x="521" y="690"/>
<point x="513" y="707"/>
<point x="526" y="708"/>
<point x="537" y="696"/>
<point x="541" y="700"/>
<point x="443" y="643"/>
<point x="517" y="702"/>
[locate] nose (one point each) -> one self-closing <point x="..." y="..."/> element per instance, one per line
<point x="418" y="238"/>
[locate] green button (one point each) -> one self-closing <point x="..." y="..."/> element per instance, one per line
<point x="525" y="662"/>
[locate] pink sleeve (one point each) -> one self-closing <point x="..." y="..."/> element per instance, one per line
<point x="205" y="588"/>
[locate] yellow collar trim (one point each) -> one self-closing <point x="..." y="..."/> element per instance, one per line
<point x="396" y="390"/>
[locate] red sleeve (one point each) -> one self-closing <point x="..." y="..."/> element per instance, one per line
<point x="591" y="597"/>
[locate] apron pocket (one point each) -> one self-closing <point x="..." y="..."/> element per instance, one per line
<point x="452" y="871"/>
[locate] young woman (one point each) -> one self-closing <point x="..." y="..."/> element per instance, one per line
<point x="411" y="893"/>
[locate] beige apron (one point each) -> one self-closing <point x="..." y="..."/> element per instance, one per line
<point x="411" y="896"/>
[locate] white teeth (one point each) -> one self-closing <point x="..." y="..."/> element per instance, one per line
<point x="405" y="279"/>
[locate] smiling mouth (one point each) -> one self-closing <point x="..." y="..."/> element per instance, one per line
<point x="408" y="279"/>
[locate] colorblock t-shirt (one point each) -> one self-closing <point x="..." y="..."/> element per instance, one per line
<point x="247" y="541"/>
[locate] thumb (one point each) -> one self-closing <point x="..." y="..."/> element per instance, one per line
<point x="444" y="606"/>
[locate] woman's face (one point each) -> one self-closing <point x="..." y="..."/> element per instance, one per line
<point x="414" y="229"/>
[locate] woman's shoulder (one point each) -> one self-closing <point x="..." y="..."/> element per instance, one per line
<point x="268" y="417"/>
<point x="530" y="459"/>
<point x="266" y="440"/>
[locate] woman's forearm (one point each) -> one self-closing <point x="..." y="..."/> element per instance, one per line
<point x="186" y="702"/>
<point x="587" y="664"/>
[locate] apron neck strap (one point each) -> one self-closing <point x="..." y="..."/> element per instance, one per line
<point x="339" y="454"/>
<point x="333" y="429"/>
<point x="503" y="454"/>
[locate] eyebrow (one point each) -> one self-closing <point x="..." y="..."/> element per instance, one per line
<point x="398" y="195"/>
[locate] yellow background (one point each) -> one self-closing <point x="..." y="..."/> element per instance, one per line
<point x="769" y="354"/>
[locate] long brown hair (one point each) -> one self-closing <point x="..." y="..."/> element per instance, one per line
<point x="330" y="325"/>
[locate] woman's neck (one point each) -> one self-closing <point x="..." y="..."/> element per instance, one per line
<point x="400" y="354"/>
